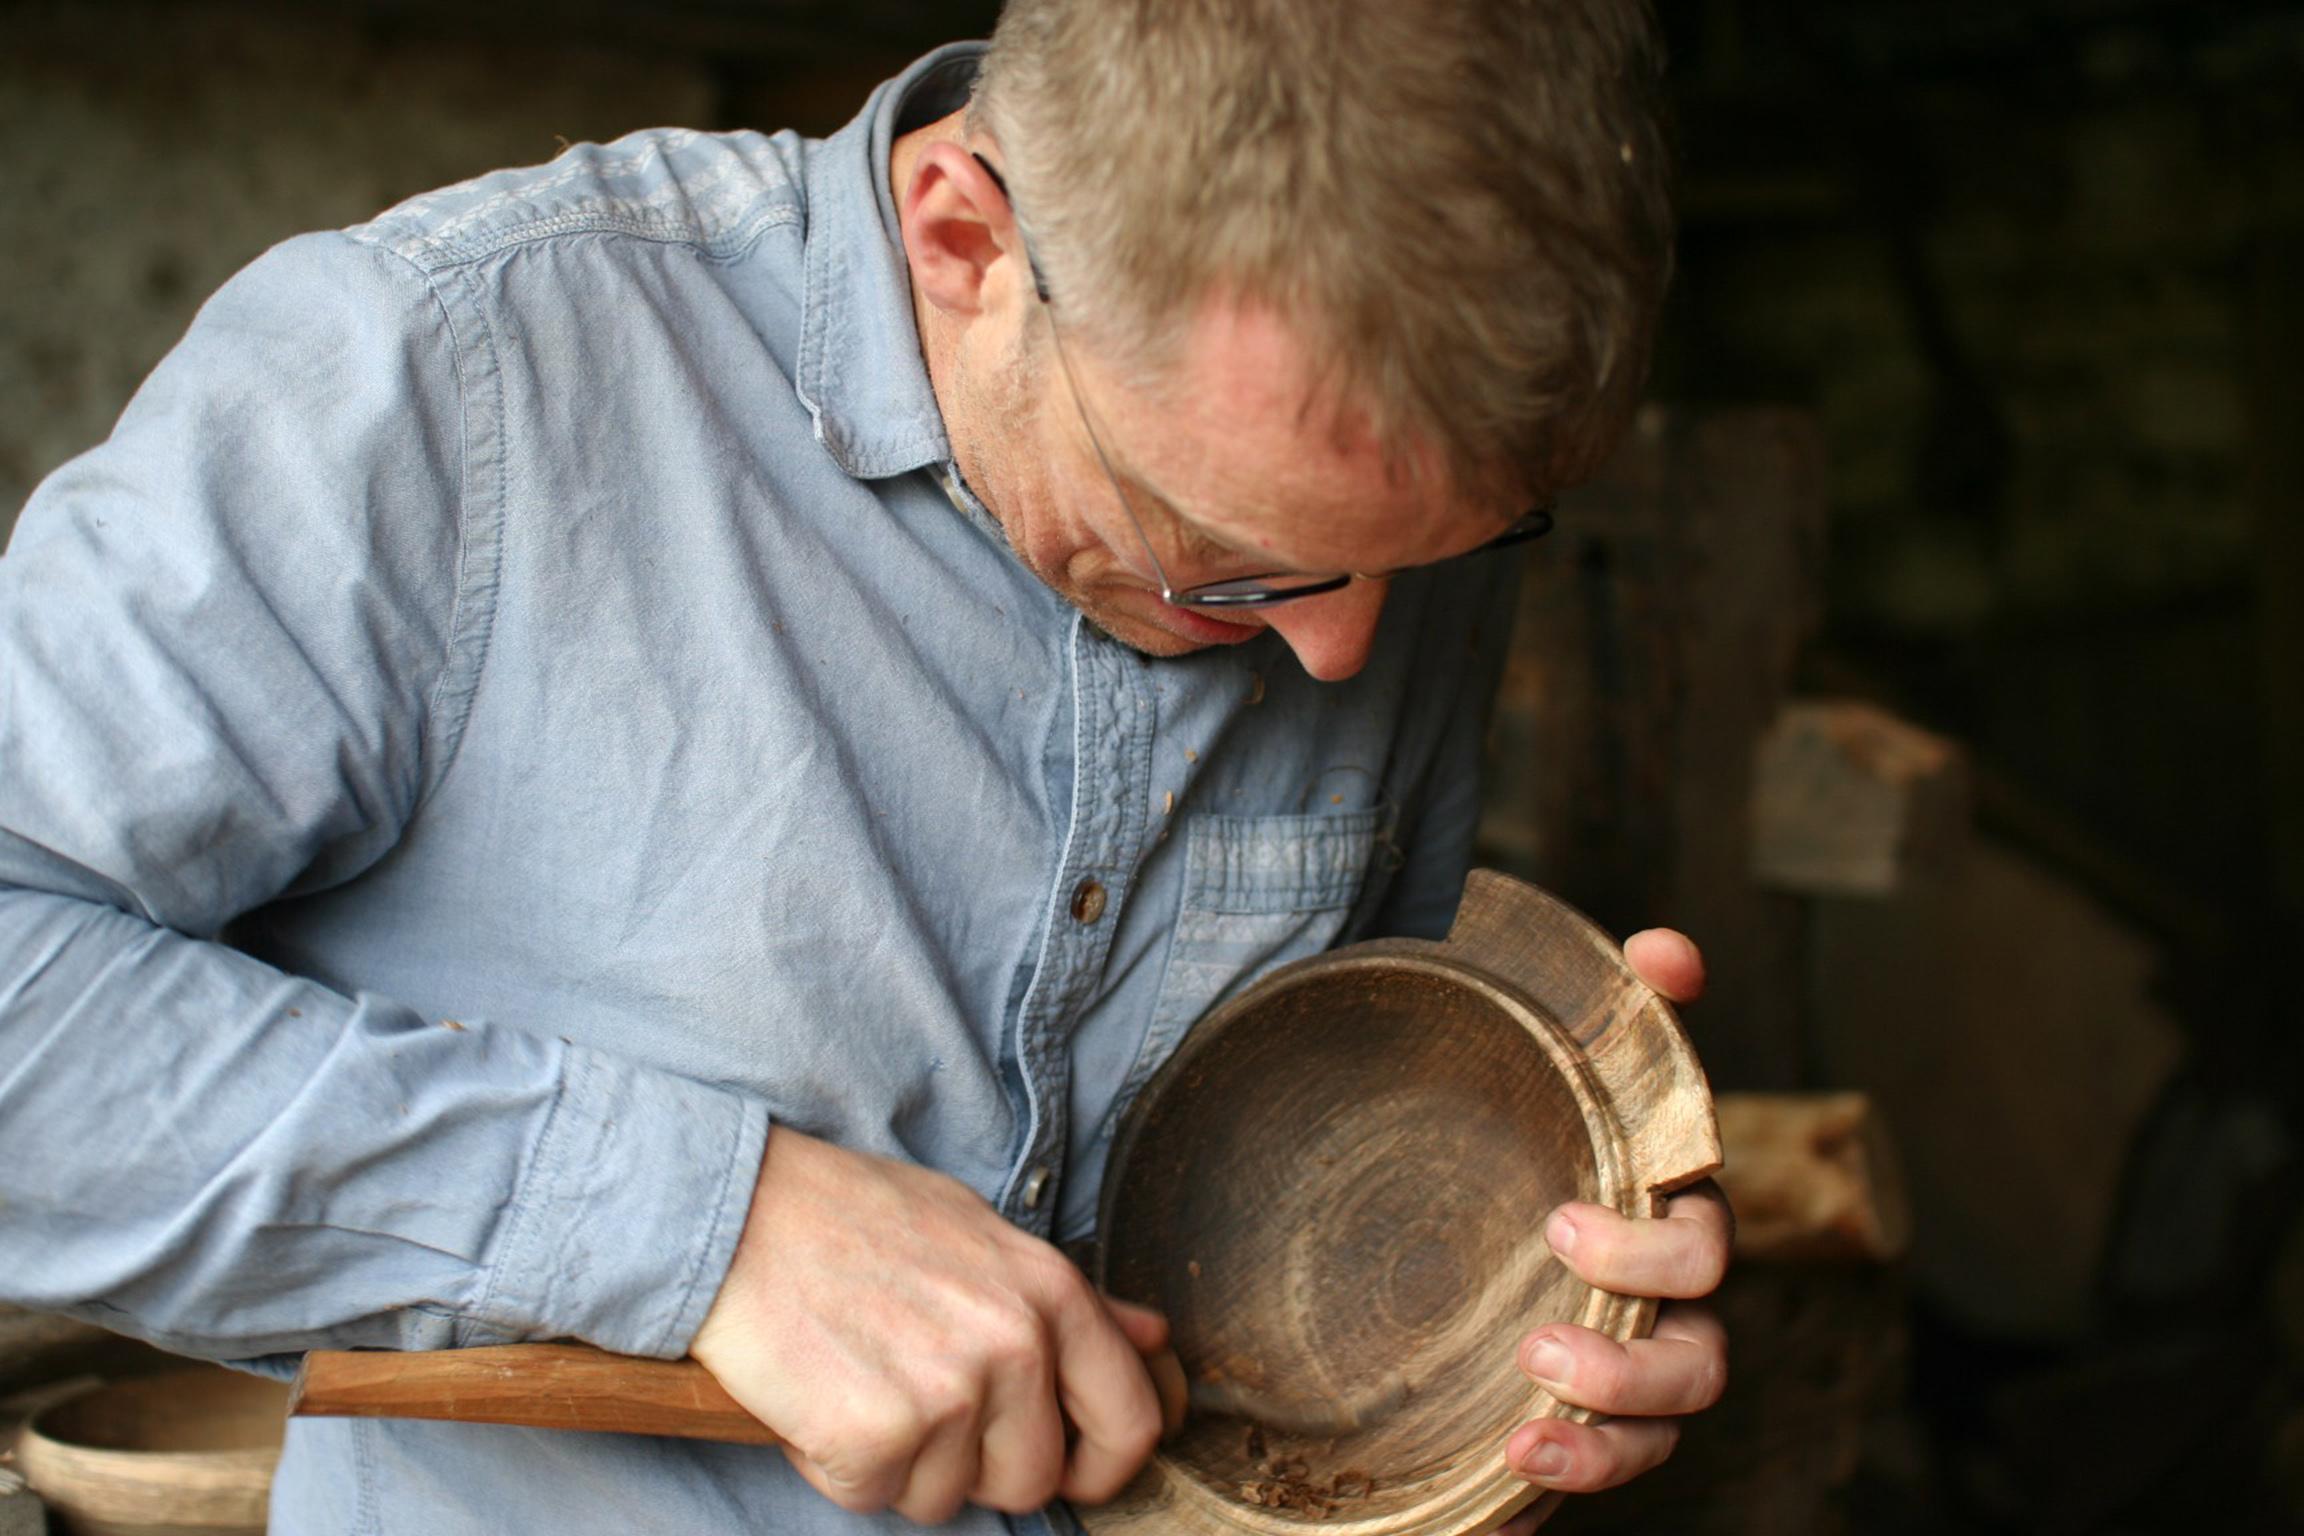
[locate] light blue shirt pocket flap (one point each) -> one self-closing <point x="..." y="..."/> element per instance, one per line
<point x="1265" y="865"/>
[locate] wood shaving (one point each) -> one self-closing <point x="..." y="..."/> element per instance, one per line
<point x="1286" y="1482"/>
<point x="1289" y="1485"/>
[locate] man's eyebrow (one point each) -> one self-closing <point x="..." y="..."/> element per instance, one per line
<point x="1195" y="536"/>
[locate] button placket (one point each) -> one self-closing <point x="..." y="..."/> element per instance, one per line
<point x="1113" y="725"/>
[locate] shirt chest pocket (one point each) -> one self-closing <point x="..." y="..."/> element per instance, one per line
<point x="1259" y="891"/>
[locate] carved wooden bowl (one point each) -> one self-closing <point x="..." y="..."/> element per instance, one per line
<point x="187" y="1453"/>
<point x="1336" y="1192"/>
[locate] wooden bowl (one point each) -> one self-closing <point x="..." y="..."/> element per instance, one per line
<point x="1336" y="1192"/>
<point x="187" y="1453"/>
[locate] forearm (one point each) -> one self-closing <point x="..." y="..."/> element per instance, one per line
<point x="229" y="1161"/>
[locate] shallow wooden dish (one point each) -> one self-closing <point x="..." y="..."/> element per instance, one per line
<point x="1336" y="1192"/>
<point x="188" y="1453"/>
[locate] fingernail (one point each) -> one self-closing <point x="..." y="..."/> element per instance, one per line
<point x="1549" y="1461"/>
<point x="1547" y="1360"/>
<point x="1560" y="1232"/>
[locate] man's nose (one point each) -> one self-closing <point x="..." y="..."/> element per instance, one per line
<point x="1331" y="634"/>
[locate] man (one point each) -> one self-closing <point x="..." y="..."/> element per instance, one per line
<point x="637" y="749"/>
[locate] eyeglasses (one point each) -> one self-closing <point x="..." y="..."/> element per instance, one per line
<point x="1240" y="591"/>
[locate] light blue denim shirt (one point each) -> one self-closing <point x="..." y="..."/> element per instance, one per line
<point x="520" y="705"/>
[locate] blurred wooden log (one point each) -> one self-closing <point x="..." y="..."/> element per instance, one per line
<point x="1654" y="645"/>
<point x="1848" y="800"/>
<point x="2006" y="1023"/>
<point x="1812" y="1177"/>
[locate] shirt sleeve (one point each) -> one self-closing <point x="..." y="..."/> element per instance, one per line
<point x="235" y="641"/>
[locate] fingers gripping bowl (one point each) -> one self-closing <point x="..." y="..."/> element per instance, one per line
<point x="1336" y="1192"/>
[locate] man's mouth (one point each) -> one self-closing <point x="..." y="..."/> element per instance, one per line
<point x="1192" y="624"/>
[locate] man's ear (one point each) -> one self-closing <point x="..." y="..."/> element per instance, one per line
<point x="960" y="234"/>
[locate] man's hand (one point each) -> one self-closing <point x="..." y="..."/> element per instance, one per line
<point x="1683" y="1366"/>
<point x="917" y="1352"/>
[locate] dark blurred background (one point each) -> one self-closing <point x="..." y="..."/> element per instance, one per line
<point x="1933" y="651"/>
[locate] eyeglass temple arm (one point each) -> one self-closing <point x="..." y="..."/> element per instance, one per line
<point x="1031" y="260"/>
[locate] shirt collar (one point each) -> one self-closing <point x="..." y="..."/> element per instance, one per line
<point x="859" y="371"/>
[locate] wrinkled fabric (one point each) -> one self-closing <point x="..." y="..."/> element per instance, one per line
<point x="521" y="704"/>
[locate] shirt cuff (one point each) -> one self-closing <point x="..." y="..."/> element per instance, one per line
<point x="627" y="1218"/>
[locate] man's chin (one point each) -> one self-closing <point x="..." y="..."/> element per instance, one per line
<point x="1146" y="639"/>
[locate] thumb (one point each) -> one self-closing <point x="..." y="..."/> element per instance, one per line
<point x="1145" y="1328"/>
<point x="1148" y="1331"/>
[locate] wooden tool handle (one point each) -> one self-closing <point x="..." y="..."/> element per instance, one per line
<point x="542" y="1386"/>
<point x="574" y="1386"/>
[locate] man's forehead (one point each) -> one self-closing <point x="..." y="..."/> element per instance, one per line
<point x="1244" y="433"/>
<point x="1246" y="362"/>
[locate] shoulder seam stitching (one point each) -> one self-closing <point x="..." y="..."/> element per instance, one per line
<point x="458" y="253"/>
<point x="434" y="760"/>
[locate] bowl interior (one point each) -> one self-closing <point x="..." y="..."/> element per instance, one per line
<point x="182" y="1411"/>
<point x="1337" y="1198"/>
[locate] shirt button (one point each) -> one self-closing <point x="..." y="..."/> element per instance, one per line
<point x="1087" y="901"/>
<point x="1035" y="1186"/>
